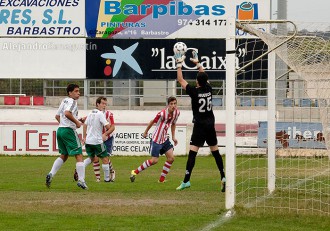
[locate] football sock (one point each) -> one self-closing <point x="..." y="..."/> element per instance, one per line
<point x="96" y="167"/>
<point x="87" y="161"/>
<point x="106" y="171"/>
<point x="56" y="166"/>
<point x="218" y="160"/>
<point x="80" y="166"/>
<point x="190" y="165"/>
<point x="166" y="169"/>
<point x="110" y="166"/>
<point x="143" y="166"/>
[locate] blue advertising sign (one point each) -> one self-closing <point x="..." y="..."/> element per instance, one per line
<point x="293" y="135"/>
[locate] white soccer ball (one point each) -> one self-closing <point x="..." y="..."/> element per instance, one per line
<point x="180" y="47"/>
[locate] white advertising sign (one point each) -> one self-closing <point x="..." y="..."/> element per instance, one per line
<point x="43" y="58"/>
<point x="64" y="18"/>
<point x="41" y="140"/>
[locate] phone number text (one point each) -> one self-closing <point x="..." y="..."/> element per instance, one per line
<point x="202" y="22"/>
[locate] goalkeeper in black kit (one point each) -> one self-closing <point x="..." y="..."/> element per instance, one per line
<point x="203" y="119"/>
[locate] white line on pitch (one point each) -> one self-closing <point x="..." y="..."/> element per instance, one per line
<point x="220" y="221"/>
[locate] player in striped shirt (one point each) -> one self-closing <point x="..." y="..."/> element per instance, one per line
<point x="160" y="143"/>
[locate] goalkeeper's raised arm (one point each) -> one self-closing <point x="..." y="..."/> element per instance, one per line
<point x="203" y="119"/>
<point x="195" y="60"/>
<point x="179" y="59"/>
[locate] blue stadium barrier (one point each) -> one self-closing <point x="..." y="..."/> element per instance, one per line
<point x="261" y="102"/>
<point x="245" y="102"/>
<point x="288" y="102"/>
<point x="217" y="102"/>
<point x="321" y="103"/>
<point x="305" y="103"/>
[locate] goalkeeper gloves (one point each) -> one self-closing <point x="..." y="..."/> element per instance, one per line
<point x="194" y="58"/>
<point x="179" y="59"/>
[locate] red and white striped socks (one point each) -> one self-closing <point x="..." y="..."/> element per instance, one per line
<point x="143" y="166"/>
<point x="110" y="166"/>
<point x="96" y="167"/>
<point x="166" y="169"/>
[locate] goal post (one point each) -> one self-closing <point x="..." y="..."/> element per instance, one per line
<point x="271" y="125"/>
<point x="292" y="173"/>
<point x="230" y="113"/>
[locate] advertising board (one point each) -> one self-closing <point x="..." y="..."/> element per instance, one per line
<point x="293" y="135"/>
<point x="41" y="140"/>
<point x="169" y="19"/>
<point x="153" y="58"/>
<point x="42" y="18"/>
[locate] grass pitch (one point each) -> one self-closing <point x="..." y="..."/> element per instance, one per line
<point x="26" y="203"/>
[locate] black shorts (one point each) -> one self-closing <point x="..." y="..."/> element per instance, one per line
<point x="202" y="133"/>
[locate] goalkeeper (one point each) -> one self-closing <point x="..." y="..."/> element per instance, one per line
<point x="203" y="118"/>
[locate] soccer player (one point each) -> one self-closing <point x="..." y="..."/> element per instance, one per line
<point x="203" y="119"/>
<point x="67" y="137"/>
<point x="109" y="140"/>
<point x="94" y="138"/>
<point x="160" y="143"/>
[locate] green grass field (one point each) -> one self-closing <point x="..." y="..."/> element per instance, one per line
<point x="26" y="203"/>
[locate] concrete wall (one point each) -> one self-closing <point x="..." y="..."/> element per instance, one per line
<point x="139" y="119"/>
<point x="124" y="116"/>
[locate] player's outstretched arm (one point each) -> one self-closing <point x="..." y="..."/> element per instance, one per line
<point x="109" y="129"/>
<point x="173" y="127"/>
<point x="145" y="134"/>
<point x="195" y="60"/>
<point x="82" y="119"/>
<point x="69" y="115"/>
<point x="84" y="133"/>
<point x="179" y="59"/>
<point x="58" y="118"/>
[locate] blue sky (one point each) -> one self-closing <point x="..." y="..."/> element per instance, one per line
<point x="307" y="10"/>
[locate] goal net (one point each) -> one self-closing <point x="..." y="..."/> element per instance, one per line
<point x="302" y="129"/>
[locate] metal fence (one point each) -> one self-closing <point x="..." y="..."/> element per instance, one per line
<point x="121" y="94"/>
<point x="146" y="94"/>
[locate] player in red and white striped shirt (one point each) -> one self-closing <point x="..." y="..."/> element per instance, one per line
<point x="109" y="142"/>
<point x="160" y="143"/>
